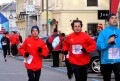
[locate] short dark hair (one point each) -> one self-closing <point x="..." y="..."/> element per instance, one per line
<point x="74" y="21"/>
<point x="109" y="16"/>
<point x="55" y="30"/>
<point x="62" y="34"/>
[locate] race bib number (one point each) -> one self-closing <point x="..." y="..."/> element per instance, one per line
<point x="28" y="59"/>
<point x="76" y="49"/>
<point x="4" y="43"/>
<point x="113" y="53"/>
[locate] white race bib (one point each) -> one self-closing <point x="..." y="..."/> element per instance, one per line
<point x="4" y="43"/>
<point x="28" y="59"/>
<point x="76" y="49"/>
<point x="113" y="53"/>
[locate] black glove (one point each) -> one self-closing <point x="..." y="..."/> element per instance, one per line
<point x="113" y="35"/>
<point x="65" y="52"/>
<point x="84" y="50"/>
<point x="39" y="49"/>
<point x="112" y="43"/>
<point x="27" y="54"/>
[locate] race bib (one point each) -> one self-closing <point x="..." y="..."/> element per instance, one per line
<point x="4" y="43"/>
<point x="76" y="49"/>
<point x="113" y="53"/>
<point x="28" y="59"/>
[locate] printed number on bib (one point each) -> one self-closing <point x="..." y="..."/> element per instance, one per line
<point x="113" y="53"/>
<point x="76" y="49"/>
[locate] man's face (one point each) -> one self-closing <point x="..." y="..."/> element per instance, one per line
<point x="77" y="27"/>
<point x="113" y="21"/>
<point x="35" y="32"/>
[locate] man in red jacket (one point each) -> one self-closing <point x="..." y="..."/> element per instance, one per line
<point x="13" y="42"/>
<point x="56" y="49"/>
<point x="33" y="49"/>
<point x="79" y="45"/>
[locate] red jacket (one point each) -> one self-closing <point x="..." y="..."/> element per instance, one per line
<point x="13" y="39"/>
<point x="74" y="43"/>
<point x="17" y="39"/>
<point x="55" y="34"/>
<point x="31" y="45"/>
<point x="8" y="36"/>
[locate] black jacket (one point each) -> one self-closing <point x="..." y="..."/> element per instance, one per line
<point x="5" y="41"/>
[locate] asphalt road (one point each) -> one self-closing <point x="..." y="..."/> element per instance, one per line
<point x="14" y="70"/>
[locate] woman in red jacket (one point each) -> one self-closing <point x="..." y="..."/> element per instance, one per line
<point x="32" y="50"/>
<point x="79" y="45"/>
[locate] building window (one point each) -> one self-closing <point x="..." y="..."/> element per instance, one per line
<point x="92" y="2"/>
<point x="92" y="29"/>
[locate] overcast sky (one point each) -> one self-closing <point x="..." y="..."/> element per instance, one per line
<point x="5" y="1"/>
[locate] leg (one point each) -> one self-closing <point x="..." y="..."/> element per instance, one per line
<point x="69" y="69"/>
<point x="12" y="49"/>
<point x="8" y="49"/>
<point x="4" y="51"/>
<point x="30" y="75"/>
<point x="83" y="73"/>
<point x="37" y="75"/>
<point x="80" y="72"/>
<point x="106" y="70"/>
<point x="57" y="58"/>
<point x="116" y="70"/>
<point x="53" y="55"/>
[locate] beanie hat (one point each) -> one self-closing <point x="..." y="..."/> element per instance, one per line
<point x="109" y="16"/>
<point x="55" y="30"/>
<point x="100" y="26"/>
<point x="34" y="27"/>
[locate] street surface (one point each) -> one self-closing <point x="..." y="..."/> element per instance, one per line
<point x="14" y="70"/>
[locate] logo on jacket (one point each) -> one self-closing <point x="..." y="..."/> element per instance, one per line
<point x="29" y="45"/>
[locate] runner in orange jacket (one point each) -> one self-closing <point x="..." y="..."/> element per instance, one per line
<point x="33" y="49"/>
<point x="79" y="45"/>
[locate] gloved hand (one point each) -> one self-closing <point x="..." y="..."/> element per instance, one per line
<point x="84" y="50"/>
<point x="39" y="49"/>
<point x="65" y="52"/>
<point x="27" y="54"/>
<point x="112" y="42"/>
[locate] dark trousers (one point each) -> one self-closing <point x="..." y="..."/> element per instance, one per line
<point x="80" y="72"/>
<point x="4" y="51"/>
<point x="33" y="75"/>
<point x="55" y="55"/>
<point x="8" y="50"/>
<point x="14" y="50"/>
<point x="107" y="69"/>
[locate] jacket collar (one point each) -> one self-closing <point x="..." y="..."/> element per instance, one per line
<point x="34" y="37"/>
<point x="112" y="27"/>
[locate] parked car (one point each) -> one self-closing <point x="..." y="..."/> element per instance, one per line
<point x="94" y="62"/>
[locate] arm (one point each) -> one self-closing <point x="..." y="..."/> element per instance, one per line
<point x="22" y="49"/>
<point x="91" y="44"/>
<point x="44" y="50"/>
<point x="66" y="45"/>
<point x="101" y="42"/>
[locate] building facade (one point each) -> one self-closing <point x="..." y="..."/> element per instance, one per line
<point x="65" y="11"/>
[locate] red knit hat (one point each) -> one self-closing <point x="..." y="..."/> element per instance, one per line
<point x="100" y="26"/>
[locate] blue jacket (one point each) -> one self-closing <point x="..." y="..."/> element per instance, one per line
<point x="105" y="48"/>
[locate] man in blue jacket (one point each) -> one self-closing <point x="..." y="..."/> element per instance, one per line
<point x="108" y="43"/>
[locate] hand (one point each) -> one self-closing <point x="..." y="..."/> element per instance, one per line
<point x="39" y="49"/>
<point x="84" y="50"/>
<point x="111" y="40"/>
<point x="27" y="54"/>
<point x="65" y="52"/>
